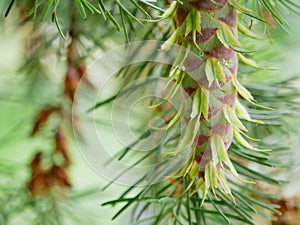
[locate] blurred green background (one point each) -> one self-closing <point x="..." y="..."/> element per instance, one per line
<point x="20" y="100"/>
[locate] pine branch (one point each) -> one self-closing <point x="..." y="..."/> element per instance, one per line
<point x="208" y="176"/>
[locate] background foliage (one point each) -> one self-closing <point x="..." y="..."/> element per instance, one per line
<point x="23" y="95"/>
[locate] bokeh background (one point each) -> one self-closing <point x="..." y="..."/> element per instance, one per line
<point x="20" y="100"/>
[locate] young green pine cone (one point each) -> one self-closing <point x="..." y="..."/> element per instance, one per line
<point x="208" y="29"/>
